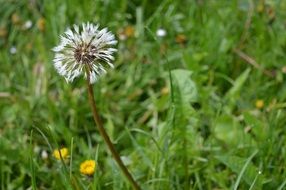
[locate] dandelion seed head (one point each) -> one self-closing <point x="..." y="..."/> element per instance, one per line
<point x="84" y="47"/>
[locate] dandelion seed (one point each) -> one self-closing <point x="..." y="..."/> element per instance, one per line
<point x="58" y="153"/>
<point x="88" y="167"/>
<point x="83" y="48"/>
<point x="259" y="104"/>
<point x="161" y="32"/>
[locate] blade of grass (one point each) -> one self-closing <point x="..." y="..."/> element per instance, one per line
<point x="71" y="150"/>
<point x="282" y="185"/>
<point x="244" y="169"/>
<point x="255" y="179"/>
<point x="32" y="167"/>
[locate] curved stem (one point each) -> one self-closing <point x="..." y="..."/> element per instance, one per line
<point x="105" y="136"/>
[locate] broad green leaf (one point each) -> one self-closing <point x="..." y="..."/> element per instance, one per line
<point x="257" y="126"/>
<point x="236" y="89"/>
<point x="228" y="130"/>
<point x="182" y="80"/>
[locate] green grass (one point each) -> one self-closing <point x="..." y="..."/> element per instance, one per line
<point x="204" y="132"/>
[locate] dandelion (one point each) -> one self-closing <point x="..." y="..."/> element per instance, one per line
<point x="88" y="167"/>
<point x="259" y="104"/>
<point x="85" y="48"/>
<point x="58" y="153"/>
<point x="86" y="51"/>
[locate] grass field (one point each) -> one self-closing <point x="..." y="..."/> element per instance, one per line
<point x="202" y="107"/>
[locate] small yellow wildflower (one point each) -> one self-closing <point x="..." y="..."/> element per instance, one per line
<point x="129" y="31"/>
<point x="259" y="104"/>
<point x="62" y="152"/>
<point x="88" y="167"/>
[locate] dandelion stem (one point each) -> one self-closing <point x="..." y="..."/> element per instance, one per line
<point x="105" y="136"/>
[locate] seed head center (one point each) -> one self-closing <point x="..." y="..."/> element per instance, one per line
<point x="85" y="55"/>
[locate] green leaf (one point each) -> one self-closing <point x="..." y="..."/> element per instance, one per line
<point x="187" y="88"/>
<point x="257" y="126"/>
<point x="228" y="130"/>
<point x="235" y="90"/>
<point x="244" y="169"/>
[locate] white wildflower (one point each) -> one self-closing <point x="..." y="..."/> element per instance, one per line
<point x="161" y="32"/>
<point x="28" y="24"/>
<point x="84" y="50"/>
<point x="44" y="154"/>
<point x="13" y="50"/>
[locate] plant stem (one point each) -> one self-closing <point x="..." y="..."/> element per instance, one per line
<point x="105" y="136"/>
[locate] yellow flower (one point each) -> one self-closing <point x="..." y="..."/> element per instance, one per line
<point x="129" y="31"/>
<point x="88" y="167"/>
<point x="62" y="152"/>
<point x="259" y="104"/>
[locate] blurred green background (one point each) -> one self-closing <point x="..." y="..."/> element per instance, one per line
<point x="201" y="107"/>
